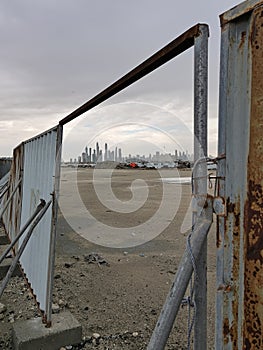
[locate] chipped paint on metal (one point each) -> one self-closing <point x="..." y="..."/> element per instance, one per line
<point x="253" y="298"/>
<point x="240" y="239"/>
<point x="11" y="218"/>
<point x="239" y="10"/>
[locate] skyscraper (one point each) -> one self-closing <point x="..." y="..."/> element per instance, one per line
<point x="106" y="152"/>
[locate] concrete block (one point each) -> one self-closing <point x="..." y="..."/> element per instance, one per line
<point x="33" y="335"/>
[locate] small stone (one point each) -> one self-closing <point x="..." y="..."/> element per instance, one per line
<point x="125" y="253"/>
<point x="69" y="347"/>
<point x="55" y="308"/>
<point x="88" y="339"/>
<point x="96" y="336"/>
<point x="2" y="316"/>
<point x="11" y="318"/>
<point x="135" y="334"/>
<point x="68" y="265"/>
<point x="2" y="308"/>
<point x="62" y="348"/>
<point x="142" y="255"/>
<point x="61" y="302"/>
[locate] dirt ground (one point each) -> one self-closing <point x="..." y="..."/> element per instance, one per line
<point x="115" y="292"/>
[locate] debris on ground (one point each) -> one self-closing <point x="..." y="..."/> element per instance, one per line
<point x="95" y="258"/>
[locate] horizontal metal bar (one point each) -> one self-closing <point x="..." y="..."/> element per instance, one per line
<point x="173" y="49"/>
<point x="53" y="129"/>
<point x="22" y="248"/>
<point x="12" y="244"/>
<point x="239" y="10"/>
<point x="170" y="309"/>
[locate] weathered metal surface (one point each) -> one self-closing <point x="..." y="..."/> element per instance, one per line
<point x="253" y="223"/>
<point x="51" y="262"/>
<point x="240" y="239"/>
<point x="11" y="217"/>
<point x="219" y="206"/>
<point x="39" y="177"/>
<point x="174" y="298"/>
<point x="239" y="10"/>
<point x="200" y="179"/>
<point x="173" y="49"/>
<point x="43" y="207"/>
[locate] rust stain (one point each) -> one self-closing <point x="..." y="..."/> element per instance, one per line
<point x="253" y="225"/>
<point x="235" y="12"/>
<point x="11" y="218"/>
<point x="242" y="40"/>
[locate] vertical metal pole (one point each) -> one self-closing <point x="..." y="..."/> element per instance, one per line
<point x="200" y="184"/>
<point x="184" y="272"/>
<point x="54" y="226"/>
<point x="223" y="86"/>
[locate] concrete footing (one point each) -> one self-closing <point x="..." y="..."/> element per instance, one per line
<point x="33" y="335"/>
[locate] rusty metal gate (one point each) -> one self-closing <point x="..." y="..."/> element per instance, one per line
<point x="240" y="239"/>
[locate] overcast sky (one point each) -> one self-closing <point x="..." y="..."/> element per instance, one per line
<point x="57" y="54"/>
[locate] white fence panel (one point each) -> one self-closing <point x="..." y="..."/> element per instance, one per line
<point x="41" y="170"/>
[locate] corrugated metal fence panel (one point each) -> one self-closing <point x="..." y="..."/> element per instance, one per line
<point x="38" y="182"/>
<point x="11" y="217"/>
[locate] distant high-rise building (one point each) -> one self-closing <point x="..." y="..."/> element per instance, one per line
<point x="120" y="155"/>
<point x="116" y="154"/>
<point x="100" y="156"/>
<point x="97" y="150"/>
<point x="106" y="152"/>
<point x="84" y="157"/>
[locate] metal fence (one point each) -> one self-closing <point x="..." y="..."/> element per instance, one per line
<point x="37" y="163"/>
<point x="41" y="154"/>
<point x="12" y="214"/>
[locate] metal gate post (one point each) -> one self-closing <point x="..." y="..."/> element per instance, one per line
<point x="240" y="239"/>
<point x="200" y="183"/>
<point x="181" y="280"/>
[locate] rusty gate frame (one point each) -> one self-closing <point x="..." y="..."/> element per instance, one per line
<point x="197" y="37"/>
<point x="239" y="306"/>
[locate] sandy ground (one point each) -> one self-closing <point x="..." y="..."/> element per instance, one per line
<point x="120" y="295"/>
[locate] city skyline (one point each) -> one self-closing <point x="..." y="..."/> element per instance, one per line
<point x="96" y="154"/>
